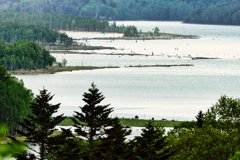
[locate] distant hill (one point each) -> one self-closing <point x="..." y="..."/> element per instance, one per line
<point x="112" y="9"/>
<point x="227" y="13"/>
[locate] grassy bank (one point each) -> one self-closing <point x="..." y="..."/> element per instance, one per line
<point x="129" y="122"/>
<point x="52" y="70"/>
<point x="123" y="121"/>
<point x="77" y="47"/>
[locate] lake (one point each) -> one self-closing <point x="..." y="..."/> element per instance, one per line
<point x="176" y="93"/>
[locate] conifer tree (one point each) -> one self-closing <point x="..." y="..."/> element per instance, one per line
<point x="39" y="126"/>
<point x="199" y="118"/>
<point x="94" y="117"/>
<point x="151" y="144"/>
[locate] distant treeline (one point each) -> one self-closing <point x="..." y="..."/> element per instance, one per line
<point x="61" y="22"/>
<point x="112" y="9"/>
<point x="13" y="32"/>
<point x="24" y="55"/>
<point x="227" y="13"/>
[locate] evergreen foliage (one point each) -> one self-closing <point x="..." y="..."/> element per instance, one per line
<point x="13" y="32"/>
<point x="24" y="55"/>
<point x="113" y="145"/>
<point x="14" y="100"/>
<point x="64" y="146"/>
<point x="199" y="118"/>
<point x="39" y="125"/>
<point x="95" y="118"/>
<point x="59" y="22"/>
<point x="151" y="145"/>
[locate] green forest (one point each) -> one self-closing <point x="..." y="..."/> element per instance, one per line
<point x="14" y="99"/>
<point x="13" y="32"/>
<point x="226" y="13"/>
<point x="61" y="22"/>
<point x="113" y="9"/>
<point x="24" y="55"/>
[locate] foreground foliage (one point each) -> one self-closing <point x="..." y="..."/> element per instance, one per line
<point x="214" y="136"/>
<point x="204" y="143"/>
<point x="9" y="149"/>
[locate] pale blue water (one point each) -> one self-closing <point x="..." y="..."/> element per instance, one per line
<point x="168" y="92"/>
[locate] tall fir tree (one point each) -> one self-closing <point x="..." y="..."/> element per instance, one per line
<point x="40" y="125"/>
<point x="90" y="123"/>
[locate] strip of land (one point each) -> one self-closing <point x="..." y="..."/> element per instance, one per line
<point x="171" y="65"/>
<point x="198" y="58"/>
<point x="161" y="37"/>
<point x="118" y="54"/>
<point x="77" y="47"/>
<point x="52" y="70"/>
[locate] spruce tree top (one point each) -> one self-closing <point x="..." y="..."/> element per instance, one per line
<point x="93" y="115"/>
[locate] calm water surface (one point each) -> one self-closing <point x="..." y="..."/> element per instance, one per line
<point x="167" y="92"/>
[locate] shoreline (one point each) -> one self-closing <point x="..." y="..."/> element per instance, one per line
<point x="77" y="47"/>
<point x="53" y="70"/>
<point x="166" y="36"/>
<point x="163" y="36"/>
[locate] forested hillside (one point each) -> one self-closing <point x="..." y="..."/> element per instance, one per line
<point x="227" y="13"/>
<point x="112" y="9"/>
<point x="61" y="22"/>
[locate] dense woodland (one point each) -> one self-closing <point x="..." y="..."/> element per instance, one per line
<point x="112" y="9"/>
<point x="226" y="13"/>
<point x="24" y="55"/>
<point x="61" y="22"/>
<point x="13" y="32"/>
